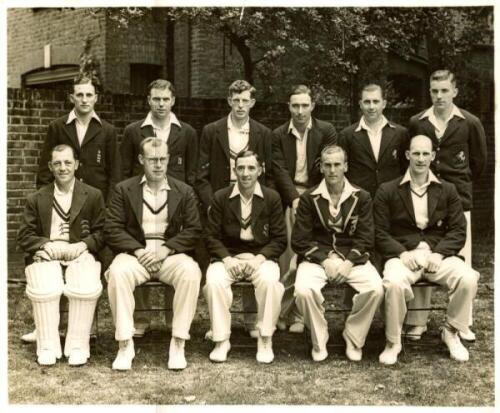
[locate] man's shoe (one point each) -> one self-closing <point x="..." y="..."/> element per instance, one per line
<point x="47" y="357"/>
<point x="265" y="349"/>
<point x="319" y="354"/>
<point x="352" y="352"/>
<point x="219" y="353"/>
<point x="126" y="354"/>
<point x="176" y="357"/>
<point x="208" y="335"/>
<point x="141" y="329"/>
<point x="29" y="337"/>
<point x="390" y="354"/>
<point x="414" y="333"/>
<point x="457" y="350"/>
<point x="77" y="357"/>
<point x="297" y="328"/>
<point x="467" y="335"/>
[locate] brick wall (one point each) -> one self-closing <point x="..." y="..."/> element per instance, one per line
<point x="30" y="111"/>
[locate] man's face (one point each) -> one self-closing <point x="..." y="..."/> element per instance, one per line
<point x="333" y="167"/>
<point x="442" y="94"/>
<point x="154" y="161"/>
<point x="372" y="105"/>
<point x="247" y="171"/>
<point x="301" y="107"/>
<point x="63" y="166"/>
<point x="420" y="155"/>
<point x="241" y="103"/>
<point x="161" y="102"/>
<point x="83" y="98"/>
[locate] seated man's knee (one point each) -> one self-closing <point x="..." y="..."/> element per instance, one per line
<point x="216" y="273"/>
<point x="269" y="272"/>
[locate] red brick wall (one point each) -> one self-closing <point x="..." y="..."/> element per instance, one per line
<point x="30" y="111"/>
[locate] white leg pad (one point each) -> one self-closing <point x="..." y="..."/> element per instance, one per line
<point x="44" y="289"/>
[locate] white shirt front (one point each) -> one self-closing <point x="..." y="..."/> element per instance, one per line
<point x="439" y="128"/>
<point x="61" y="206"/>
<point x="301" y="176"/>
<point x="154" y="213"/>
<point x="81" y="128"/>
<point x="238" y="141"/>
<point x="159" y="132"/>
<point x="374" y="133"/>
<point x="246" y="234"/>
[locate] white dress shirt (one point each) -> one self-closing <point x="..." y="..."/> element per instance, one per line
<point x="159" y="132"/>
<point x="440" y="128"/>
<point x="301" y="176"/>
<point x="81" y="128"/>
<point x="154" y="213"/>
<point x="246" y="233"/>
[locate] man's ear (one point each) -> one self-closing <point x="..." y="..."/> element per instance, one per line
<point x="141" y="159"/>
<point x="77" y="164"/>
<point x="407" y="154"/>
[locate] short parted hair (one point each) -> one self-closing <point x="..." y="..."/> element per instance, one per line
<point x="62" y="147"/>
<point x="153" y="140"/>
<point x="372" y="87"/>
<point x="247" y="154"/>
<point x="299" y="89"/>
<point x="327" y="150"/>
<point x="444" y="74"/>
<point x="83" y="79"/>
<point x="161" y="84"/>
<point x="240" y="86"/>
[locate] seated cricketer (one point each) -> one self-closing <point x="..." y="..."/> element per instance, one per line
<point x="333" y="237"/>
<point x="61" y="231"/>
<point x="152" y="225"/>
<point x="420" y="228"/>
<point x="246" y="234"/>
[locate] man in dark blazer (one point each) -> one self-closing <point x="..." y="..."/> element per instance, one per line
<point x="333" y="237"/>
<point x="420" y="228"/>
<point x="297" y="145"/>
<point x="182" y="144"/>
<point x="220" y="143"/>
<point x="61" y="232"/>
<point x="460" y="143"/>
<point x="92" y="138"/>
<point x="245" y="236"/>
<point x="152" y="225"/>
<point x="374" y="145"/>
<point x="161" y="122"/>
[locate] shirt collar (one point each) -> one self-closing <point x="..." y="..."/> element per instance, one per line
<point x="362" y="124"/>
<point x="293" y="129"/>
<point x="244" y="128"/>
<point x="164" y="185"/>
<point x="347" y="191"/>
<point x="72" y="116"/>
<point x="430" y="178"/>
<point x="257" y="190"/>
<point x="429" y="113"/>
<point x="171" y="120"/>
<point x="58" y="191"/>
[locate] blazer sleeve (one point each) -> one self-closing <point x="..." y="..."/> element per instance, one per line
<point x="277" y="230"/>
<point x="95" y="240"/>
<point x="403" y="145"/>
<point x="454" y="239"/>
<point x="477" y="148"/>
<point x="115" y="226"/>
<point x="187" y="239"/>
<point x="127" y="153"/>
<point x="44" y="176"/>
<point x="215" y="246"/>
<point x="28" y="238"/>
<point x="113" y="161"/>
<point x="203" y="186"/>
<point x="385" y="243"/>
<point x="364" y="235"/>
<point x="191" y="156"/>
<point x="303" y="242"/>
<point x="329" y="135"/>
<point x="282" y="180"/>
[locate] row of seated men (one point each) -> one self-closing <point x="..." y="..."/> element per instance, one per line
<point x="152" y="225"/>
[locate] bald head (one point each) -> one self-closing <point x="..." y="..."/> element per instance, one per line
<point x="421" y="140"/>
<point x="420" y="155"/>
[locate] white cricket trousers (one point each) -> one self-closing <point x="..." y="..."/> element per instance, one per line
<point x="125" y="273"/>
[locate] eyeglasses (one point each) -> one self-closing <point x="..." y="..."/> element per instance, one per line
<point x="154" y="161"/>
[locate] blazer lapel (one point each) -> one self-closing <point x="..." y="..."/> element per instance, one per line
<point x="404" y="193"/>
<point x="79" y="197"/>
<point x="429" y="129"/>
<point x="322" y="208"/>
<point x="453" y="125"/>
<point x="313" y="139"/>
<point x="147" y="131"/>
<point x="135" y="198"/>
<point x="253" y="136"/>
<point x="174" y="198"/>
<point x="362" y="137"/>
<point x="235" y="206"/>
<point x="174" y="135"/>
<point x="433" y="195"/>
<point x="45" y="208"/>
<point x="223" y="137"/>
<point x="387" y="135"/>
<point x="93" y="129"/>
<point x="70" y="130"/>
<point x="347" y="208"/>
<point x="290" y="148"/>
<point x="257" y="207"/>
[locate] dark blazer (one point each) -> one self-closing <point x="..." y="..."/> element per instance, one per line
<point x="363" y="169"/>
<point x="85" y="224"/>
<point x="313" y="240"/>
<point x="267" y="223"/>
<point x="461" y="154"/>
<point x="396" y="230"/>
<point x="100" y="165"/>
<point x="123" y="228"/>
<point x="285" y="156"/>
<point x="182" y="148"/>
<point x="213" y="162"/>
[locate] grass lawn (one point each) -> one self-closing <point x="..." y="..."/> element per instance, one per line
<point x="424" y="376"/>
